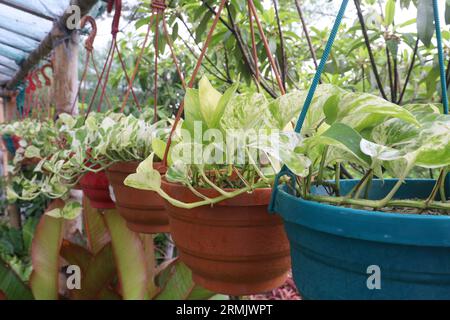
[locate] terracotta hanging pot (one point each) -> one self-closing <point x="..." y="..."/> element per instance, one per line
<point x="234" y="247"/>
<point x="30" y="161"/>
<point x="95" y="186"/>
<point x="142" y="209"/>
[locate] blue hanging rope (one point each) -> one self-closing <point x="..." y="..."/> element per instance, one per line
<point x="20" y="100"/>
<point x="437" y="25"/>
<point x="321" y="67"/>
<point x="301" y="119"/>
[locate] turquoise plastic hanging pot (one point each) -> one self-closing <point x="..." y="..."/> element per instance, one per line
<point x="345" y="253"/>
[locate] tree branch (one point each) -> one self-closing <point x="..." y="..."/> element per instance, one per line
<point x="389" y="67"/>
<point x="234" y="29"/>
<point x="246" y="55"/>
<point x="204" y="65"/>
<point x="411" y="66"/>
<point x="206" y="57"/>
<point x="369" y="49"/>
<point x="306" y="32"/>
<point x="282" y="47"/>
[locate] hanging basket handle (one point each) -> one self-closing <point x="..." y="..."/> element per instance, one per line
<point x="37" y="81"/>
<point x="89" y="43"/>
<point x="31" y="85"/>
<point x="117" y="6"/>
<point x="159" y="5"/>
<point x="48" y="80"/>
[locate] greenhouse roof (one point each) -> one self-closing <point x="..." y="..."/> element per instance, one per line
<point x="24" y="25"/>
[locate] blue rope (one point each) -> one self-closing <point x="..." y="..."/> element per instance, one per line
<point x="20" y="100"/>
<point x="437" y="25"/>
<point x="301" y="119"/>
<point x="321" y="67"/>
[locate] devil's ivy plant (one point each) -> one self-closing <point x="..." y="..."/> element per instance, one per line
<point x="227" y="141"/>
<point x="382" y="138"/>
<point x="341" y="128"/>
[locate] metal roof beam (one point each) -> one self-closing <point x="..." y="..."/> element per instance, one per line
<point x="21" y="33"/>
<point x="14" y="47"/>
<point x="8" y="67"/>
<point x="25" y="9"/>
<point x="6" y="74"/>
<point x="46" y="45"/>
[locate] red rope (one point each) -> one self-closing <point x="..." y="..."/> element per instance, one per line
<point x="136" y="66"/>
<point x="105" y="84"/>
<point x="48" y="83"/>
<point x="159" y="5"/>
<point x="114" y="31"/>
<point x="155" y="84"/>
<point x="94" y="64"/>
<point x="89" y="45"/>
<point x="99" y="80"/>
<point x="172" y="52"/>
<point x="252" y="32"/>
<point x="266" y="46"/>
<point x="117" y="5"/>
<point x="124" y="68"/>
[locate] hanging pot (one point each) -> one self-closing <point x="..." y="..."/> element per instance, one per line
<point x="234" y="247"/>
<point x="95" y="186"/>
<point x="143" y="210"/>
<point x="30" y="161"/>
<point x="11" y="143"/>
<point x="345" y="253"/>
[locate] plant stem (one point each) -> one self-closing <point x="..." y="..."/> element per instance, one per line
<point x="442" y="187"/>
<point x="408" y="76"/>
<point x="358" y="186"/>
<point x="369" y="49"/>
<point x="197" y="193"/>
<point x="283" y="68"/>
<point x="345" y="172"/>
<point x="363" y="79"/>
<point x="242" y="46"/>
<point x="362" y="186"/>
<point x="389" y="67"/>
<point x="305" y="31"/>
<point x="223" y="76"/>
<point x="192" y="205"/>
<point x="369" y="185"/>
<point x="212" y="184"/>
<point x="394" y="58"/>
<point x="338" y="178"/>
<point x="322" y="166"/>
<point x="377" y="203"/>
<point x="436" y="187"/>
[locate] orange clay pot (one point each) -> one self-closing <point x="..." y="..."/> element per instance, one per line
<point x="142" y="209"/>
<point x="234" y="247"/>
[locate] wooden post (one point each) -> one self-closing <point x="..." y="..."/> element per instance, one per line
<point x="65" y="77"/>
<point x="2" y="110"/>
<point x="65" y="87"/>
<point x="10" y="108"/>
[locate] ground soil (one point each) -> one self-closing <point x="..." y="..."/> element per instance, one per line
<point x="288" y="291"/>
